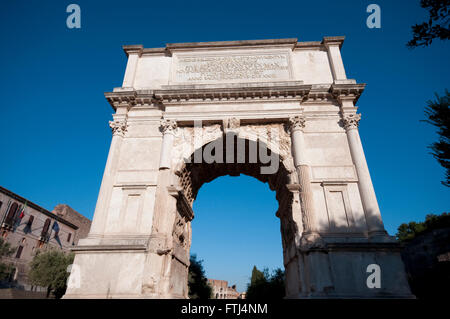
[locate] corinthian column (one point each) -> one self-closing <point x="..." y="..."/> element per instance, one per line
<point x="369" y="200"/>
<point x="118" y="127"/>
<point x="168" y="129"/>
<point x="296" y="126"/>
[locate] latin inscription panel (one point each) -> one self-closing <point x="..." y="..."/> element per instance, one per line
<point x="236" y="67"/>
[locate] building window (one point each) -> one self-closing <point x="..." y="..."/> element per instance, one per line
<point x="10" y="216"/>
<point x="30" y="221"/>
<point x="69" y="236"/>
<point x="19" y="251"/>
<point x="27" y="228"/>
<point x="45" y="228"/>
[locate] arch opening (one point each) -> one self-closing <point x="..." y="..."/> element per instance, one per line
<point x="235" y="229"/>
<point x="243" y="157"/>
<point x="193" y="174"/>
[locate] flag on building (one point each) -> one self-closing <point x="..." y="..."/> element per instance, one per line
<point x="55" y="227"/>
<point x="20" y="213"/>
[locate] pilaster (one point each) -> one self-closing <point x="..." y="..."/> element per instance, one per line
<point x="133" y="52"/>
<point x="333" y="45"/>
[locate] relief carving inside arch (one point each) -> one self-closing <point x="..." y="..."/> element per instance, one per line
<point x="274" y="135"/>
<point x="180" y="233"/>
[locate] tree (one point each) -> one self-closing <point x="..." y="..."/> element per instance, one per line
<point x="277" y="286"/>
<point x="197" y="281"/>
<point x="436" y="27"/>
<point x="425" y="255"/>
<point x="438" y="114"/>
<point x="264" y="285"/>
<point x="5" y="251"/>
<point x="49" y="269"/>
<point x="407" y="232"/>
<point x="437" y="111"/>
<point x="257" y="276"/>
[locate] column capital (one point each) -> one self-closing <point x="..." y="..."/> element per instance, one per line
<point x="118" y="127"/>
<point x="121" y="99"/>
<point x="296" y="123"/>
<point x="351" y="121"/>
<point x="168" y="126"/>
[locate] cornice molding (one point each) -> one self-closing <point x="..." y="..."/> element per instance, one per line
<point x="350" y="91"/>
<point x="258" y="91"/>
<point x="133" y="49"/>
<point x="235" y="92"/>
<point x="291" y="43"/>
<point x="339" y="40"/>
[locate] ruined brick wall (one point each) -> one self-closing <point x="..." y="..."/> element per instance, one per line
<point x="74" y="217"/>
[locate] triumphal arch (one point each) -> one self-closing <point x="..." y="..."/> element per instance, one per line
<point x="279" y="110"/>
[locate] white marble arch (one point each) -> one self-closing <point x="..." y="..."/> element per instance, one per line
<point x="189" y="177"/>
<point x="293" y="98"/>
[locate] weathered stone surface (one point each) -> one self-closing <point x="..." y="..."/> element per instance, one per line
<point x="281" y="111"/>
<point x="206" y="68"/>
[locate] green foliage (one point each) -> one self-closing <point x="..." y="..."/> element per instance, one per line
<point x="438" y="114"/>
<point x="5" y="251"/>
<point x="407" y="232"/>
<point x="257" y="276"/>
<point x="197" y="281"/>
<point x="436" y="27"/>
<point x="49" y="269"/>
<point x="264" y="285"/>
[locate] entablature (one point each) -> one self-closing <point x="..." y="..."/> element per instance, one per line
<point x="235" y="92"/>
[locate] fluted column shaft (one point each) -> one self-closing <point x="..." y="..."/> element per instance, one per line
<point x="297" y="125"/>
<point x="118" y="127"/>
<point x="367" y="192"/>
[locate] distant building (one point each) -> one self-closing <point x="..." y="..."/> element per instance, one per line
<point x="29" y="228"/>
<point x="69" y="214"/>
<point x="221" y="290"/>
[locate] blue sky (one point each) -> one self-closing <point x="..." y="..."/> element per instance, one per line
<point x="54" y="117"/>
